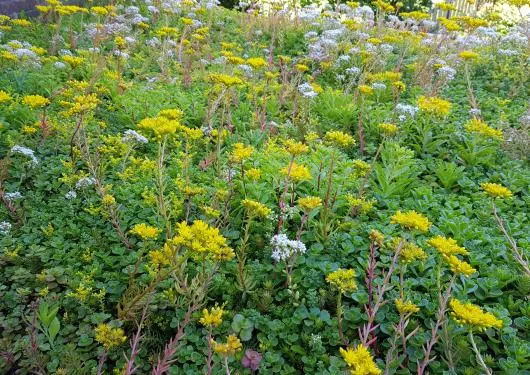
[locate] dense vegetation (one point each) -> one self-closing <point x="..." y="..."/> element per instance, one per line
<point x="188" y="189"/>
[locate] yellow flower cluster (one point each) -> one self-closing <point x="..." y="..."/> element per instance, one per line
<point x="163" y="256"/>
<point x="231" y="347"/>
<point x="468" y="314"/>
<point x="226" y="80"/>
<point x="406" y="307"/>
<point x="309" y="203"/>
<point x="5" y="97"/>
<point x="256" y="209"/>
<point x="295" y="148"/>
<point x="361" y="168"/>
<point x="343" y="280"/>
<point x="366" y="90"/>
<point x="145" y="232"/>
<point x="159" y="126"/>
<point x="409" y="252"/>
<point x="446" y="246"/>
<point x="468" y="55"/>
<point x="240" y="152"/>
<point x="411" y="220"/>
<point x="459" y="267"/>
<point x="82" y="104"/>
<point x="253" y="174"/>
<point x="256" y="62"/>
<point x="360" y="361"/>
<point x="35" y="101"/>
<point x="109" y="337"/>
<point x="73" y="61"/>
<point x="201" y="239"/>
<point x="340" y="139"/>
<point x="108" y="200"/>
<point x="298" y="172"/>
<point x="481" y="128"/>
<point x="212" y="317"/>
<point x="434" y="105"/>
<point x="496" y="190"/>
<point x="388" y="130"/>
<point x="361" y="205"/>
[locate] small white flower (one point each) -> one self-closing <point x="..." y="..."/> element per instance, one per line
<point x="133" y="136"/>
<point x="84" y="182"/>
<point x="26" y="152"/>
<point x="5" y="227"/>
<point x="71" y="195"/>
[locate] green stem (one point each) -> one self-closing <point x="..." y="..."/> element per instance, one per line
<point x="479" y="356"/>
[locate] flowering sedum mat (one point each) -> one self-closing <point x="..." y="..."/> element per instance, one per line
<point x="186" y="189"/>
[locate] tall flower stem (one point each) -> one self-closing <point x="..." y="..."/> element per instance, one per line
<point x="480" y="360"/>
<point x="440" y="316"/>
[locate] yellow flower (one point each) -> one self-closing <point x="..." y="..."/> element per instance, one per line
<point x="468" y="55"/>
<point x="434" y="105"/>
<point x="449" y="24"/>
<point x="361" y="168"/>
<point x="406" y="307"/>
<point x="481" y="128"/>
<point x="240" y="152"/>
<point x="298" y="172"/>
<point x="73" y="61"/>
<point x="411" y="220"/>
<point x="226" y="80"/>
<point x="339" y="139"/>
<point x="309" y="203"/>
<point x="212" y="318"/>
<point x="360" y="205"/>
<point x="253" y="174"/>
<point x="496" y="190"/>
<point x="459" y="267"/>
<point x="100" y="11"/>
<point x="5" y="97"/>
<point x="21" y="22"/>
<point x="160" y="126"/>
<point x="109" y="337"/>
<point x="468" y="314"/>
<point x="446" y="246"/>
<point x="360" y="361"/>
<point x="301" y="68"/>
<point x="108" y="200"/>
<point x="145" y="232"/>
<point x="256" y="209"/>
<point x="388" y="130"/>
<point x="203" y="240"/>
<point x="343" y="280"/>
<point x="410" y="252"/>
<point x="6" y="55"/>
<point x="366" y="90"/>
<point x="35" y="101"/>
<point x="187" y="21"/>
<point x="256" y="62"/>
<point x="82" y="104"/>
<point x="295" y="148"/>
<point x="163" y="256"/>
<point x="171" y="114"/>
<point x="231" y="347"/>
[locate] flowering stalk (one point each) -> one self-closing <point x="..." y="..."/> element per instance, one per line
<point x="241" y="258"/>
<point x="161" y="187"/>
<point x="282" y="197"/>
<point x="480" y="360"/>
<point x="517" y="254"/>
<point x="130" y="368"/>
<point x="367" y="333"/>
<point x="427" y="349"/>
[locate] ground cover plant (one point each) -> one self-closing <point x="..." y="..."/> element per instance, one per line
<point x="187" y="189"/>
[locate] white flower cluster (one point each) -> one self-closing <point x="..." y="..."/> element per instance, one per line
<point x="26" y="152"/>
<point x="84" y="182"/>
<point x="133" y="137"/>
<point x="406" y="110"/>
<point x="283" y="248"/>
<point x="307" y="90"/>
<point x="5" y="227"/>
<point x="13" y="196"/>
